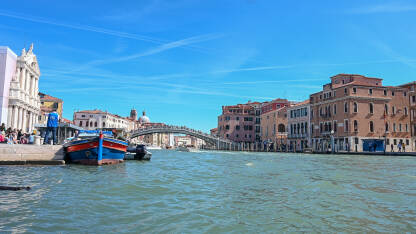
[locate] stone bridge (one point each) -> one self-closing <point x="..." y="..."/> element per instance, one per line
<point x="219" y="143"/>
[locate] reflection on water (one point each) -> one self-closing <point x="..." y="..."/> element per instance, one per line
<point x="215" y="192"/>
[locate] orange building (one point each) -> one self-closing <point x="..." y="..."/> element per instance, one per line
<point x="359" y="114"/>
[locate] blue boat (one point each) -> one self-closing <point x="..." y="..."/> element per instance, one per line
<point x="95" y="148"/>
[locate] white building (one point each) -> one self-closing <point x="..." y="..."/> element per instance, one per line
<point x="19" y="88"/>
<point x="299" y="122"/>
<point x="97" y="119"/>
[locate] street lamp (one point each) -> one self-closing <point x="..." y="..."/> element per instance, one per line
<point x="332" y="141"/>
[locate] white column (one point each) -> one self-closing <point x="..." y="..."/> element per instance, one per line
<point x="20" y="118"/>
<point x="9" y="116"/>
<point x="30" y="127"/>
<point x="31" y="89"/>
<point x="22" y="77"/>
<point x="36" y="87"/>
<point x="27" y="82"/>
<point x="15" y="116"/>
<point x="24" y="123"/>
<point x="18" y="73"/>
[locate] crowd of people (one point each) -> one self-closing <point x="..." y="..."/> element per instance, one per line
<point x="15" y="136"/>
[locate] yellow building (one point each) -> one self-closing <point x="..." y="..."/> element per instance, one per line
<point x="49" y="104"/>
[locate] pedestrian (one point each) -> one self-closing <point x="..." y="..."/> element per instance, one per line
<point x="52" y="125"/>
<point x="404" y="147"/>
<point x="399" y="147"/>
<point x="2" y="127"/>
<point x="392" y="148"/>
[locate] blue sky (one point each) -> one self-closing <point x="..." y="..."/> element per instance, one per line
<point x="182" y="60"/>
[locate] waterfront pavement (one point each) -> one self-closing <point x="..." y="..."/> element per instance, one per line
<point x="31" y="154"/>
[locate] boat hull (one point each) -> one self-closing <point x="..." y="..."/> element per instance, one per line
<point x="87" y="152"/>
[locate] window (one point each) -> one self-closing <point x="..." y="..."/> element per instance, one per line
<point x="237" y="118"/>
<point x="385" y="92"/>
<point x="335" y="109"/>
<point x="395" y="142"/>
<point x="320" y="96"/>
<point x="345" y="107"/>
<point x="83" y="116"/>
<point x="80" y="123"/>
<point x="237" y="127"/>
<point x="236" y="136"/>
<point x="355" y="126"/>
<point x="370" y="91"/>
<point x="407" y="128"/>
<point x="91" y="124"/>
<point x="356" y="140"/>
<point x="386" y="109"/>
<point x="371" y="108"/>
<point x="355" y="107"/>
<point x="404" y="94"/>
<point x="354" y="90"/>
<point x="393" y="110"/>
<point x="95" y="124"/>
<point x="103" y="124"/>
<point x="346" y="127"/>
<point x="335" y="126"/>
<point x="371" y="126"/>
<point x="394" y="127"/>
<point x="387" y="127"/>
<point x="400" y="127"/>
<point x="345" y="91"/>
<point x="405" y="110"/>
<point x="413" y="99"/>
<point x="392" y="93"/>
<point x="227" y="127"/>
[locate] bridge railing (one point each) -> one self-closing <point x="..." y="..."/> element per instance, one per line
<point x="185" y="129"/>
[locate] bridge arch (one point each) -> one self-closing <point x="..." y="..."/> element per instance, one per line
<point x="220" y="143"/>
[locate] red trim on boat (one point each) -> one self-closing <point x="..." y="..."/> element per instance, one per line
<point x="113" y="145"/>
<point x="88" y="145"/>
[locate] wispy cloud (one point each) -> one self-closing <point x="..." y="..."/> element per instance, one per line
<point x="83" y="27"/>
<point x="159" y="49"/>
<point x="383" y="8"/>
<point x="270" y="81"/>
<point x="252" y="69"/>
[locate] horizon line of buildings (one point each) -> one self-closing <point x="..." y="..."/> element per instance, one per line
<point x="351" y="113"/>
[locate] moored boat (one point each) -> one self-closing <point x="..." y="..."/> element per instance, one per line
<point x="96" y="148"/>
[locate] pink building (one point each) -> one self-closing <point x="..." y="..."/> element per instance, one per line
<point x="237" y="123"/>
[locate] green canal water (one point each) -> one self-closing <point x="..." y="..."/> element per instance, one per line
<point x="215" y="192"/>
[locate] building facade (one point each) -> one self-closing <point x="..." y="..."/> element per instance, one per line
<point x="274" y="127"/>
<point x="299" y="121"/>
<point x="19" y="88"/>
<point x="358" y="113"/>
<point x="97" y="119"/>
<point x="237" y="123"/>
<point x="49" y="104"/>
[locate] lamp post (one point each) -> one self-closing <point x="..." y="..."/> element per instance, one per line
<point x="332" y="141"/>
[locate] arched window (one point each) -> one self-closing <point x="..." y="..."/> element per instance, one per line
<point x="355" y="107"/>
<point x="91" y="124"/>
<point x="281" y="128"/>
<point x="103" y="124"/>
<point x="95" y="124"/>
<point x="80" y="123"/>
<point x="387" y="127"/>
<point x="355" y="126"/>
<point x="371" y="126"/>
<point x="371" y="108"/>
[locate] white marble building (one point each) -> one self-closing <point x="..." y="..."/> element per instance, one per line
<point x="19" y="84"/>
<point x="97" y="119"/>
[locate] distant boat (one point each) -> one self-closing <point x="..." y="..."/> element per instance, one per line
<point x="187" y="149"/>
<point x="95" y="148"/>
<point x="153" y="147"/>
<point x="137" y="152"/>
